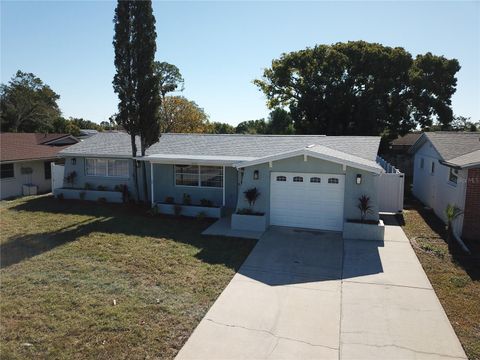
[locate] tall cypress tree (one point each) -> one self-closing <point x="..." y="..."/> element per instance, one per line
<point x="134" y="81"/>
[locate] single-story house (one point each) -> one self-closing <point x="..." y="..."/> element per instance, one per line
<point x="447" y="171"/>
<point x="307" y="181"/>
<point x="25" y="160"/>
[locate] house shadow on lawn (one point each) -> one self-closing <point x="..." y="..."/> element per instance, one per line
<point x="119" y="219"/>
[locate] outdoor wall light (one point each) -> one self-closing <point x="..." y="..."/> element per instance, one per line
<point x="74" y="161"/>
<point x="359" y="179"/>
<point x="255" y="175"/>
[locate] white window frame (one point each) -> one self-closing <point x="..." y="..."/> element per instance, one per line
<point x="453" y="172"/>
<point x="95" y="160"/>
<point x="199" y="177"/>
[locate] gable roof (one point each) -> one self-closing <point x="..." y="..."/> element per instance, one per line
<point x="117" y="144"/>
<point x="32" y="146"/>
<point x="406" y="140"/>
<point x="458" y="149"/>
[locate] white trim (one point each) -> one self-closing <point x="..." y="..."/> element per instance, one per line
<point x="199" y="173"/>
<point x="223" y="187"/>
<point x="106" y="169"/>
<point x="94" y="155"/>
<point x="185" y="159"/>
<point x="307" y="151"/>
<point x="151" y="183"/>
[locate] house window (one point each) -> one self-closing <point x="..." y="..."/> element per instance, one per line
<point x="106" y="167"/>
<point x="432" y="169"/>
<point x="422" y="163"/>
<point x="298" y="179"/>
<point x="47" y="170"/>
<point x="281" y="178"/>
<point x="453" y="175"/>
<point x="315" y="180"/>
<point x="333" y="180"/>
<point x="199" y="176"/>
<point x="7" y="171"/>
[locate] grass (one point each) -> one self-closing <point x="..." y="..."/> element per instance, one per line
<point x="455" y="279"/>
<point x="85" y="280"/>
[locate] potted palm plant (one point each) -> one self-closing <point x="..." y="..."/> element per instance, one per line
<point x="248" y="218"/>
<point x="363" y="228"/>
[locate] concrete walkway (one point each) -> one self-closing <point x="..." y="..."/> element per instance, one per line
<point x="311" y="295"/>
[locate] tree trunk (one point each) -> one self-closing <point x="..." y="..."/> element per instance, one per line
<point x="135" y="175"/>
<point x="145" y="184"/>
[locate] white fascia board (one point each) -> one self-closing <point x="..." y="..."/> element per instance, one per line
<point x="305" y="151"/>
<point x="103" y="156"/>
<point x="193" y="159"/>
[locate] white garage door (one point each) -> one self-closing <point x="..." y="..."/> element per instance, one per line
<point x="303" y="200"/>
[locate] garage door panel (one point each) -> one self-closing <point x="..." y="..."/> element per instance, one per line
<point x="316" y="205"/>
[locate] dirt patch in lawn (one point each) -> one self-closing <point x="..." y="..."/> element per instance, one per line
<point x="455" y="279"/>
<point x="85" y="280"/>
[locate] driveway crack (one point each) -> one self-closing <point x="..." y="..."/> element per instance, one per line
<point x="278" y="337"/>
<point x="408" y="349"/>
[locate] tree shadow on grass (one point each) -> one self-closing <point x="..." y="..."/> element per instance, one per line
<point x="121" y="219"/>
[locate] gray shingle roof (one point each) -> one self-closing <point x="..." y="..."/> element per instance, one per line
<point x="454" y="144"/>
<point x="118" y="144"/>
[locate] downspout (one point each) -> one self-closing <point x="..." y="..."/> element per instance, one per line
<point x="151" y="184"/>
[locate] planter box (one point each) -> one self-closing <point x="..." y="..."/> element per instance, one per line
<point x="91" y="195"/>
<point x="361" y="231"/>
<point x="249" y="222"/>
<point x="190" y="210"/>
<point x="29" y="189"/>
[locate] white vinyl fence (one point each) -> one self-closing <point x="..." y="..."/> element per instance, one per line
<point x="58" y="172"/>
<point x="390" y="188"/>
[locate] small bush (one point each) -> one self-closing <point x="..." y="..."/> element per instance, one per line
<point x="187" y="200"/>
<point x="122" y="188"/>
<point x="102" y="200"/>
<point x="169" y="200"/>
<point x="201" y="215"/>
<point x="82" y="195"/>
<point x="88" y="186"/>
<point x="177" y="209"/>
<point x="459" y="281"/>
<point x="60" y="196"/>
<point x="206" y="203"/>
<point x="247" y="211"/>
<point x="101" y="188"/>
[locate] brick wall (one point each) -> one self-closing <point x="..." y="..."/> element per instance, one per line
<point x="471" y="220"/>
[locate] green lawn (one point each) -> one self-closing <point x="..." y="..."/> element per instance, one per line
<point x="455" y="279"/>
<point x="86" y="280"/>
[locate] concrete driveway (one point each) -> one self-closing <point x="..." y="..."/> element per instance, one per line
<point x="311" y="295"/>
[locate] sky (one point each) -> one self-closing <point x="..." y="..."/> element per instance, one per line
<point x="221" y="47"/>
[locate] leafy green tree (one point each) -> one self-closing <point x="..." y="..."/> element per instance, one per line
<point x="252" y="127"/>
<point x="280" y="122"/>
<point x="135" y="82"/>
<point x="27" y="104"/>
<point x="169" y="78"/>
<point x="360" y="88"/>
<point x="221" y="128"/>
<point x="180" y="115"/>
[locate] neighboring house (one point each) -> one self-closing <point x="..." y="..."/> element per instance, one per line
<point x="86" y="133"/>
<point x="447" y="171"/>
<point x="25" y="160"/>
<point x="398" y="154"/>
<point x="304" y="181"/>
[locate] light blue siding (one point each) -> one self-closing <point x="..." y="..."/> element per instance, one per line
<point x="312" y="165"/>
<point x="164" y="186"/>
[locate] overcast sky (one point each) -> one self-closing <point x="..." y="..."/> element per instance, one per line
<point x="220" y="47"/>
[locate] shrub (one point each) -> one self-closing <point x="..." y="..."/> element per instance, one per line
<point x="101" y="188"/>
<point x="169" y="200"/>
<point x="102" y="200"/>
<point x="251" y="195"/>
<point x="124" y="190"/>
<point x="177" y="209"/>
<point x="187" y="200"/>
<point x="206" y="203"/>
<point x="364" y="206"/>
<point x="60" y="196"/>
<point x="201" y="215"/>
<point x="88" y="186"/>
<point x="82" y="195"/>
<point x="247" y="211"/>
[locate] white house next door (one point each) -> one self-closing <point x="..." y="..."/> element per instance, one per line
<point x="307" y="200"/>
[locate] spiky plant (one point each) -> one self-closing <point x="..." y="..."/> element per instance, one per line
<point x="452" y="212"/>
<point x="252" y="195"/>
<point x="364" y="206"/>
